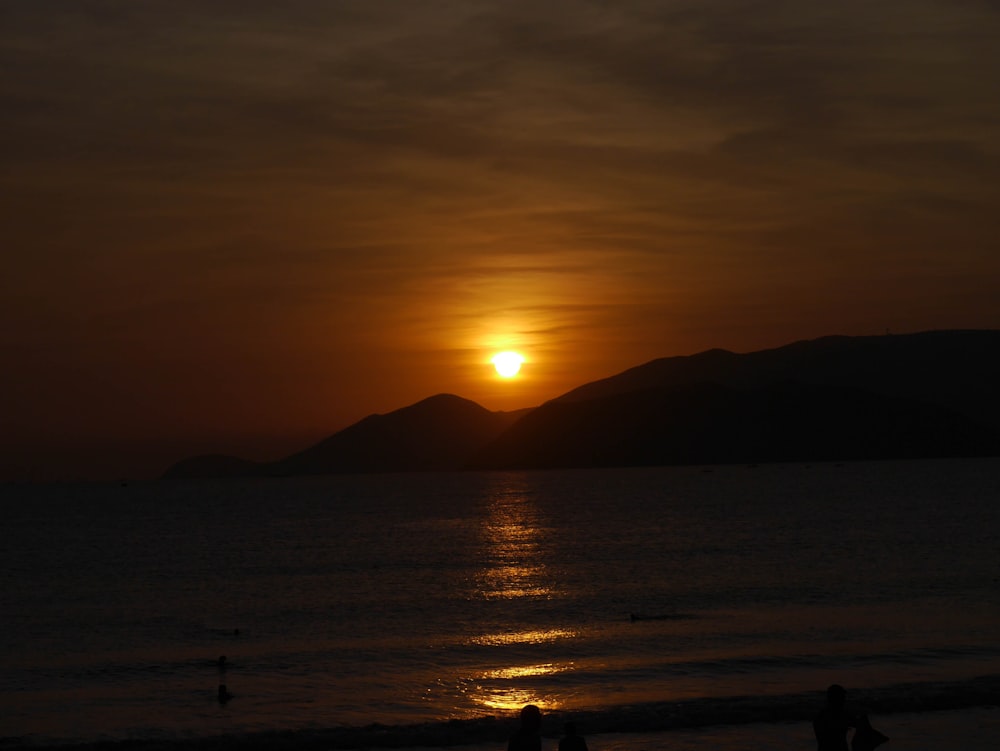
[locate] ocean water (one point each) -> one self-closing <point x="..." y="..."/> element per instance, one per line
<point x="425" y="609"/>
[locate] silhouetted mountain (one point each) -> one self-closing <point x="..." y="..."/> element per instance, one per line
<point x="708" y="423"/>
<point x="893" y="396"/>
<point x="956" y="369"/>
<point x="438" y="433"/>
<point x="916" y="395"/>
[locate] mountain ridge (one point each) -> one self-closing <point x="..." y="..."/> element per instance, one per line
<point x="836" y="397"/>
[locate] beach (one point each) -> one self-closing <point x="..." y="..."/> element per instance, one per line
<point x="968" y="730"/>
<point x="975" y="729"/>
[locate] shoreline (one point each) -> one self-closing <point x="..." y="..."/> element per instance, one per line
<point x="971" y="729"/>
<point x="966" y="713"/>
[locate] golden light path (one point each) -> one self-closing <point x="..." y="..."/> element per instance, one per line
<point x="526" y="671"/>
<point x="499" y="688"/>
<point x="524" y="637"/>
<point x="515" y="568"/>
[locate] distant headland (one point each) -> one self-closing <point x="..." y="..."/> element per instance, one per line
<point x="924" y="395"/>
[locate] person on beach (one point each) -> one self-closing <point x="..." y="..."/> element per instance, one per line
<point x="528" y="737"/>
<point x="832" y="723"/>
<point x="866" y="738"/>
<point x="570" y="740"/>
<point x="223" y="694"/>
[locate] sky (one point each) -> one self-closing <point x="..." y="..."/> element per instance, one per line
<point x="238" y="226"/>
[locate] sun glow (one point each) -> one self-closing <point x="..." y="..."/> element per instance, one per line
<point x="508" y="364"/>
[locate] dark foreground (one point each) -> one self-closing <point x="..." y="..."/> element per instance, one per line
<point x="966" y="712"/>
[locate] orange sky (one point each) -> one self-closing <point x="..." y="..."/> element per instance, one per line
<point x="240" y="226"/>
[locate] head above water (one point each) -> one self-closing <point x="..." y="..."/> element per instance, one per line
<point x="531" y="717"/>
<point x="836" y="696"/>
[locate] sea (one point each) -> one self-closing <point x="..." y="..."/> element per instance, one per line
<point x="674" y="607"/>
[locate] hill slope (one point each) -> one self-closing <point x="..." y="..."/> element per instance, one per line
<point x="898" y="396"/>
<point x="895" y="396"/>
<point x="438" y="433"/>
<point x="954" y="369"/>
<point x="707" y="423"/>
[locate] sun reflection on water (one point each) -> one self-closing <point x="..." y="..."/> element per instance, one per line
<point x="514" y="699"/>
<point x="523" y="637"/>
<point x="526" y="671"/>
<point x="514" y="567"/>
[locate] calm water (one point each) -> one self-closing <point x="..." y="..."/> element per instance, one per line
<point x="416" y="599"/>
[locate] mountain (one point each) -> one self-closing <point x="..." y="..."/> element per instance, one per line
<point x="931" y="394"/>
<point x="708" y="423"/>
<point x="954" y="369"/>
<point x="438" y="433"/>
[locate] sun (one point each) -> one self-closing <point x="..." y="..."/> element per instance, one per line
<point x="507" y="363"/>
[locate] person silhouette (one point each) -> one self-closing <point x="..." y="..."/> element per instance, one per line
<point x="223" y="694"/>
<point x="866" y="738"/>
<point x="833" y="721"/>
<point x="571" y="741"/>
<point x="528" y="737"/>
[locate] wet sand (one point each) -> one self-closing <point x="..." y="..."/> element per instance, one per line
<point x="976" y="729"/>
<point x="966" y="730"/>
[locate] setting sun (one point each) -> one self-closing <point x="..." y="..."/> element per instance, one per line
<point x="508" y="364"/>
